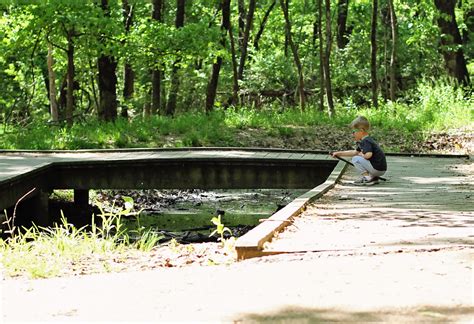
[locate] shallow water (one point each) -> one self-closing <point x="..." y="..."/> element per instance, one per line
<point x="179" y="211"/>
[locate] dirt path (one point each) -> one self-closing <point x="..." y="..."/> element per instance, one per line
<point x="408" y="259"/>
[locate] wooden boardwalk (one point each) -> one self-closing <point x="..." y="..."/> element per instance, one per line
<point x="426" y="198"/>
<point x="14" y="164"/>
<point x="428" y="203"/>
<point x="190" y="168"/>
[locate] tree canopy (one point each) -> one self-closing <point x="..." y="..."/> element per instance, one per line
<point x="142" y="57"/>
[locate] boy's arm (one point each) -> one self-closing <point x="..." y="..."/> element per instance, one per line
<point x="345" y="153"/>
<point x="365" y="149"/>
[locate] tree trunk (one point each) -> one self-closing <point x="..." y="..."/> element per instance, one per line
<point x="212" y="85"/>
<point x="327" y="59"/>
<point x="107" y="66"/>
<point x="93" y="81"/>
<point x="128" y="87"/>
<point x="53" y="103"/>
<point x="342" y="12"/>
<point x="321" y="55"/>
<point x="263" y="24"/>
<point x="245" y="41"/>
<point x="385" y="84"/>
<point x="393" y="57"/>
<point x="451" y="42"/>
<point x="373" y="60"/>
<point x="235" y="75"/>
<point x="156" y="74"/>
<point x="174" y="87"/>
<point x="296" y="57"/>
<point x="107" y="88"/>
<point x="216" y="67"/>
<point x="286" y="35"/>
<point x="128" y="73"/>
<point x="70" y="79"/>
<point x="241" y="8"/>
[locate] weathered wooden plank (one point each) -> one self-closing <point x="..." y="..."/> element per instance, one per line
<point x="252" y="243"/>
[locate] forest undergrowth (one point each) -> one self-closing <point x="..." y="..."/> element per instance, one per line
<point x="439" y="120"/>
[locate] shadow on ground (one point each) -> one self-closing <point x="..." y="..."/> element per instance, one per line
<point x="425" y="314"/>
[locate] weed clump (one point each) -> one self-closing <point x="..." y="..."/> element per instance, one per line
<point x="42" y="252"/>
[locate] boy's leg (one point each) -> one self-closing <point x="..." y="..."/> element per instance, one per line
<point x="364" y="166"/>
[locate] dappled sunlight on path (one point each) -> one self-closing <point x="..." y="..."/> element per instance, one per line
<point x="434" y="208"/>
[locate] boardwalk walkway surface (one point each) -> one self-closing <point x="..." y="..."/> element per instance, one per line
<point x="427" y="203"/>
<point x="397" y="252"/>
<point x="17" y="163"/>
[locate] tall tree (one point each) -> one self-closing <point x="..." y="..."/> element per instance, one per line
<point x="156" y="73"/>
<point x="373" y="56"/>
<point x="342" y="12"/>
<point x="246" y="36"/>
<point x="393" y="55"/>
<point x="327" y="59"/>
<point x="216" y="67"/>
<point x="263" y="24"/>
<point x="174" y="87"/>
<point x="451" y="42"/>
<point x="235" y="73"/>
<point x="53" y="102"/>
<point x="107" y="66"/>
<point x="70" y="34"/>
<point x="128" y="73"/>
<point x="296" y="57"/>
<point x="319" y="28"/>
<point x="241" y="9"/>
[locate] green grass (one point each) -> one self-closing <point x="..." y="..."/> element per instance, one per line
<point x="46" y="252"/>
<point x="435" y="108"/>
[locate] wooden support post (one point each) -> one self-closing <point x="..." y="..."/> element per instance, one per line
<point x="81" y="197"/>
<point x="38" y="207"/>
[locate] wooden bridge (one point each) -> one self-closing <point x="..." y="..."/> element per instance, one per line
<point x="39" y="172"/>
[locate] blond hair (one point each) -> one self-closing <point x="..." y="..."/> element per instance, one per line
<point x="360" y="123"/>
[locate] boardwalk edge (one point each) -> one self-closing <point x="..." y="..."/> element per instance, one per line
<point x="251" y="244"/>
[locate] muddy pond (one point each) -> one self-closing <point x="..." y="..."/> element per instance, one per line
<point x="185" y="215"/>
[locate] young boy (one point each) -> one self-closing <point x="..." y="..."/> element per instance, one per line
<point x="368" y="158"/>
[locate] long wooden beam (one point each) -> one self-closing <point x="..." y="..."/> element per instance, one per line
<point x="252" y="243"/>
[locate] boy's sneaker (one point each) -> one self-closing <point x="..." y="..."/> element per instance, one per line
<point x="366" y="182"/>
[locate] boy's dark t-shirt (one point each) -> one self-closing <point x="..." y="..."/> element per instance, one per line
<point x="378" y="161"/>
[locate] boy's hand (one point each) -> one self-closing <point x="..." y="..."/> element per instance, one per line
<point x="334" y="154"/>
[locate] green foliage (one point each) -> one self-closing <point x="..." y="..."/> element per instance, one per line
<point x="435" y="107"/>
<point x="28" y="27"/>
<point x="227" y="244"/>
<point x="220" y="228"/>
<point x="438" y="107"/>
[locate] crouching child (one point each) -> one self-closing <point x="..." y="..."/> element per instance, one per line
<point x="368" y="158"/>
